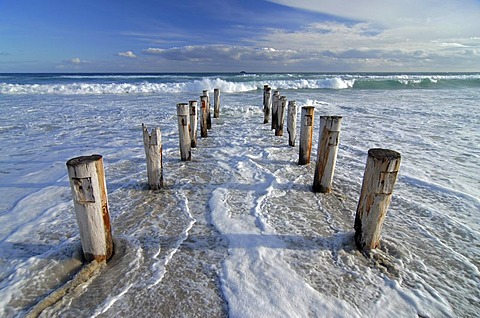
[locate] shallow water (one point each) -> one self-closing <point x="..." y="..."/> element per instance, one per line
<point x="237" y="231"/>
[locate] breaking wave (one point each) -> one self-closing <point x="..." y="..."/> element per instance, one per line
<point x="97" y="84"/>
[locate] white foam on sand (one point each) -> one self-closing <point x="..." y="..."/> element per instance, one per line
<point x="255" y="279"/>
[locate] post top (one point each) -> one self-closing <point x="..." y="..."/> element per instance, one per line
<point x="192" y="101"/>
<point x="308" y="107"/>
<point x="383" y="154"/>
<point x="83" y="160"/>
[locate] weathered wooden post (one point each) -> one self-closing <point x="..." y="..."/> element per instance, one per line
<point x="183" y="112"/>
<point x="378" y="182"/>
<point x="193" y="122"/>
<point x="306" y="133"/>
<point x="203" y="116"/>
<point x="264" y="94"/>
<point x="282" y="103"/>
<point x="216" y="103"/>
<point x="209" y="115"/>
<point x="276" y="97"/>
<point x="153" y="151"/>
<point x="267" y="104"/>
<point x="328" y="139"/>
<point x="292" y="122"/>
<point x="87" y="180"/>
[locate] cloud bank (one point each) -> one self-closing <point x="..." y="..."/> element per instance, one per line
<point x="363" y="35"/>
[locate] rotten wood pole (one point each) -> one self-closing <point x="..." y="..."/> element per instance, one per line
<point x="275" y="99"/>
<point x="152" y="143"/>
<point x="264" y="94"/>
<point x="87" y="181"/>
<point x="203" y="116"/>
<point x="292" y="122"/>
<point x="282" y="103"/>
<point x="379" y="179"/>
<point x="328" y="139"/>
<point x="209" y="115"/>
<point x="193" y="122"/>
<point x="306" y="134"/>
<point x="183" y="112"/>
<point x="267" y="104"/>
<point x="216" y="103"/>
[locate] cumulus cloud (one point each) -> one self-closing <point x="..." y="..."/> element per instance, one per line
<point x="364" y="35"/>
<point x="386" y="33"/>
<point x="443" y="14"/>
<point x="127" y="54"/>
<point x="222" y="53"/>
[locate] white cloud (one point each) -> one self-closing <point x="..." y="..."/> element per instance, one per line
<point x="127" y="54"/>
<point x="363" y="35"/>
<point x="75" y="61"/>
<point x="387" y="34"/>
<point x="223" y="54"/>
<point x="442" y="14"/>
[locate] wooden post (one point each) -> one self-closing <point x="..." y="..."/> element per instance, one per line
<point x="216" y="103"/>
<point x="378" y="182"/>
<point x="276" y="96"/>
<point x="328" y="139"/>
<point x="153" y="151"/>
<point x="193" y="122"/>
<point x="183" y="112"/>
<point x="203" y="116"/>
<point x="264" y="94"/>
<point x="267" y="106"/>
<point x="292" y="122"/>
<point x="87" y="180"/>
<point x="209" y="116"/>
<point x="282" y="103"/>
<point x="306" y="133"/>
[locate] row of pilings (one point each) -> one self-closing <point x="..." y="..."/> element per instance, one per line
<point x="88" y="185"/>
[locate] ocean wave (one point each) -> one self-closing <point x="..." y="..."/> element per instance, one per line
<point x="81" y="84"/>
<point x="195" y="86"/>
<point x="330" y="83"/>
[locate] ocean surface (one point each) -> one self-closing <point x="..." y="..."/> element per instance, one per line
<point x="237" y="231"/>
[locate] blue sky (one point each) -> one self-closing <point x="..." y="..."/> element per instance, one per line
<point x="229" y="35"/>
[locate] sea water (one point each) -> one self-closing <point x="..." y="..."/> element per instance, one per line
<point x="237" y="231"/>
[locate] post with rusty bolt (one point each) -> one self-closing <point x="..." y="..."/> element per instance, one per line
<point x="328" y="139"/>
<point x="216" y="103"/>
<point x="292" y="122"/>
<point x="87" y="180"/>
<point x="275" y="99"/>
<point x="267" y="103"/>
<point x="209" y="115"/>
<point x="282" y="103"/>
<point x="203" y="116"/>
<point x="152" y="143"/>
<point x="306" y="134"/>
<point x="183" y="112"/>
<point x="193" y="122"/>
<point x="378" y="182"/>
